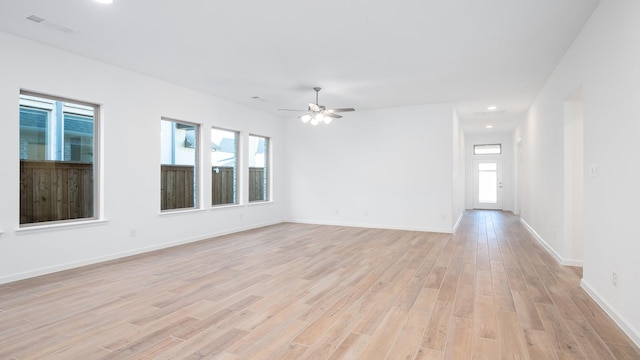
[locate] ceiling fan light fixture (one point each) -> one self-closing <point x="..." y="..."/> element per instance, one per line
<point x="317" y="113"/>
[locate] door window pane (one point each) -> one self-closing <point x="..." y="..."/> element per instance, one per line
<point x="488" y="167"/>
<point x="488" y="183"/>
<point x="178" y="168"/>
<point x="258" y="168"/>
<point x="224" y="166"/>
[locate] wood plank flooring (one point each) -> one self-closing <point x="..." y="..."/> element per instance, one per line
<point x="293" y="291"/>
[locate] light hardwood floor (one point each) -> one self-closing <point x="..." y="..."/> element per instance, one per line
<point x="294" y="291"/>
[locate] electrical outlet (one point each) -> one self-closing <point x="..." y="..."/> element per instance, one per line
<point x="614" y="279"/>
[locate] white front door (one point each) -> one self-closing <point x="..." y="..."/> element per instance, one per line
<point x="487" y="184"/>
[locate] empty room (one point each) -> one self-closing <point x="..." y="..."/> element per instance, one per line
<point x="319" y="180"/>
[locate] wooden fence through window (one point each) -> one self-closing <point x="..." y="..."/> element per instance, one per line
<point x="222" y="185"/>
<point x="55" y="190"/>
<point x="63" y="190"/>
<point x="257" y="184"/>
<point x="177" y="186"/>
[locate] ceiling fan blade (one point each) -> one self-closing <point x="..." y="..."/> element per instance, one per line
<point x="340" y="110"/>
<point x="331" y="115"/>
<point x="314" y="107"/>
<point x="292" y="110"/>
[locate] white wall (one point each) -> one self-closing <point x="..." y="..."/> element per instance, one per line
<point x="573" y="230"/>
<point x="508" y="184"/>
<point x="459" y="171"/>
<point x="132" y="106"/>
<point x="387" y="168"/>
<point x="604" y="61"/>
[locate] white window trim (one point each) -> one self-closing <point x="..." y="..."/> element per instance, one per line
<point x="61" y="225"/>
<point x="46" y="102"/>
<point x="198" y="196"/>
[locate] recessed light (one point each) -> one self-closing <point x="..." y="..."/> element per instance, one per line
<point x="104" y="1"/>
<point x="489" y="126"/>
<point x="492" y="108"/>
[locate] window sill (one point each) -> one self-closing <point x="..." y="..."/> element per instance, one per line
<point x="180" y="212"/>
<point x="60" y="226"/>
<point x="261" y="202"/>
<point x="225" y="206"/>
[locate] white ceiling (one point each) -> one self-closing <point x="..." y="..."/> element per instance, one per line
<point x="365" y="54"/>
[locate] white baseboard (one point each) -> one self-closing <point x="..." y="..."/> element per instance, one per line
<point x="628" y="329"/>
<point x="550" y="250"/>
<point x="371" y="226"/>
<point x="84" y="262"/>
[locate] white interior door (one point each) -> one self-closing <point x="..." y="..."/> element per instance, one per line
<point x="487" y="184"/>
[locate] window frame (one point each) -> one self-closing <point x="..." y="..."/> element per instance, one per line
<point x="197" y="192"/>
<point x="95" y="161"/>
<point x="267" y="176"/>
<point x="237" y="178"/>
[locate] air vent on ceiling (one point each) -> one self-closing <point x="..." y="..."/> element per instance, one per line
<point x="40" y="20"/>
<point x="489" y="113"/>
<point x="35" y="18"/>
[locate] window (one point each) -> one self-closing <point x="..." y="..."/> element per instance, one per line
<point x="258" y="168"/>
<point x="178" y="170"/>
<point x="57" y="159"/>
<point x="488" y="149"/>
<point x="224" y="167"/>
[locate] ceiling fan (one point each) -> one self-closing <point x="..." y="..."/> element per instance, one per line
<point x="317" y="113"/>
